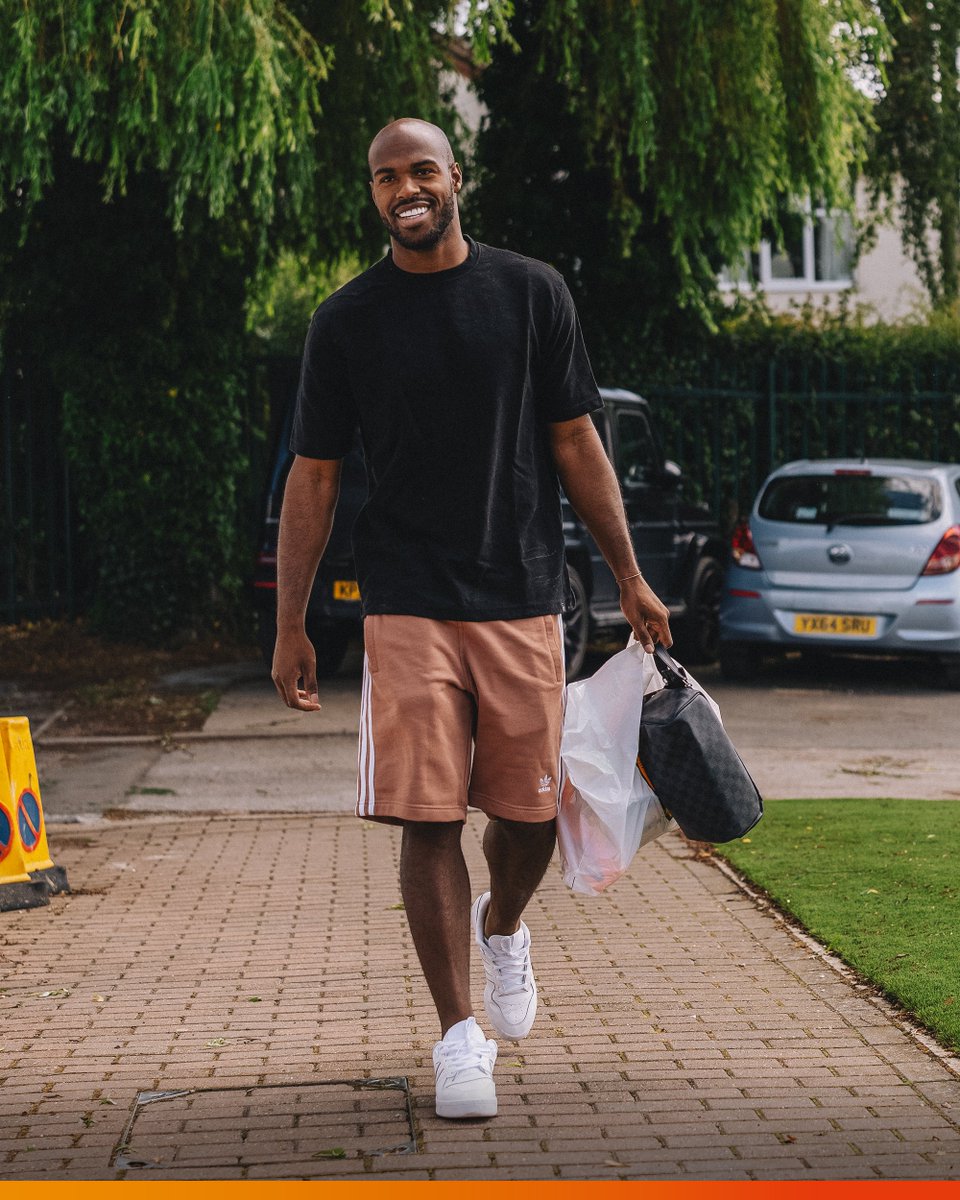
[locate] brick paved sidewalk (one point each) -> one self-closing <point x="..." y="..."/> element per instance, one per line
<point x="261" y="967"/>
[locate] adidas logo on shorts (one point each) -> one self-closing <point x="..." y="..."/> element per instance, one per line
<point x="545" y="781"/>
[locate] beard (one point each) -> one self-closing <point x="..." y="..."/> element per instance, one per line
<point x="429" y="236"/>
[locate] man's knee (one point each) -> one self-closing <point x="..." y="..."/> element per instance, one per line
<point x="432" y="832"/>
<point x="533" y="830"/>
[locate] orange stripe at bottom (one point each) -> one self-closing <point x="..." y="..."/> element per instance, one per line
<point x="546" y="1189"/>
<point x="644" y="774"/>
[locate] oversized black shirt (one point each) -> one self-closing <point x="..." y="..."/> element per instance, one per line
<point x="453" y="377"/>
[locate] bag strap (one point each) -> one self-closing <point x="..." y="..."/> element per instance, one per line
<point x="674" y="676"/>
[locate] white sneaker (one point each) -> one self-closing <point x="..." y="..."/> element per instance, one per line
<point x="510" y="996"/>
<point x="463" y="1064"/>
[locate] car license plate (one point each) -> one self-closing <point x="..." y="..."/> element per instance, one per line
<point x="834" y="625"/>
<point x="345" y="589"/>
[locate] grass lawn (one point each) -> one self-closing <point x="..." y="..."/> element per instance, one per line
<point x="877" y="882"/>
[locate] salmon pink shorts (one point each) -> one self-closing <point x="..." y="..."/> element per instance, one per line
<point x="458" y="713"/>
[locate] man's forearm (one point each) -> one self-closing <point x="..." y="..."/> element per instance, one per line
<point x="591" y="487"/>
<point x="309" y="502"/>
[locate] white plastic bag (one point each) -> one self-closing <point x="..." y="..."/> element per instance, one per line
<point x="607" y="809"/>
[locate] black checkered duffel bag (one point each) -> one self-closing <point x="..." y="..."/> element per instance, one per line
<point x="690" y="762"/>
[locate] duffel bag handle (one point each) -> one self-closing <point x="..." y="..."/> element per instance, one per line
<point x="674" y="675"/>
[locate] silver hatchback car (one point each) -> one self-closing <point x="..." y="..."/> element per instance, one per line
<point x="850" y="555"/>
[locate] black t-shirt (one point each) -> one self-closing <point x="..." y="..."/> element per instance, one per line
<point x="453" y="377"/>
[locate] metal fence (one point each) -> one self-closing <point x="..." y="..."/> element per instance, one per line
<point x="726" y="439"/>
<point x="47" y="568"/>
<point x="42" y="563"/>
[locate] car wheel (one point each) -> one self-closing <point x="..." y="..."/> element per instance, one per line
<point x="576" y="627"/>
<point x="740" y="662"/>
<point x="698" y="634"/>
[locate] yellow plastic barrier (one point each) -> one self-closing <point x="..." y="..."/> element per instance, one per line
<point x="17" y="889"/>
<point x="29" y="827"/>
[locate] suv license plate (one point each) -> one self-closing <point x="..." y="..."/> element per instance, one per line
<point x="345" y="589"/>
<point x="834" y="625"/>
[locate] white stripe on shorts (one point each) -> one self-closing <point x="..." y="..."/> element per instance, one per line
<point x="366" y="756"/>
<point x="563" y="702"/>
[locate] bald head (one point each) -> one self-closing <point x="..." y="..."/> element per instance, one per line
<point x="399" y="134"/>
<point x="414" y="183"/>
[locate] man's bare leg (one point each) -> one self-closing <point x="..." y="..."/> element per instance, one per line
<point x="518" y="854"/>
<point x="436" y="895"/>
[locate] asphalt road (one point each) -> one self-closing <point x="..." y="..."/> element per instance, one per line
<point x="847" y="728"/>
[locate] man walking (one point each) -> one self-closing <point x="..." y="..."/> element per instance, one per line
<point x="464" y="368"/>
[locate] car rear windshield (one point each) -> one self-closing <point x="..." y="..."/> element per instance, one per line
<point x="854" y="499"/>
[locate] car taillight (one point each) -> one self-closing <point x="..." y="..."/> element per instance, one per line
<point x="742" y="548"/>
<point x="946" y="557"/>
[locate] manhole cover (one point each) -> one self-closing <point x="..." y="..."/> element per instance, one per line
<point x="255" y="1126"/>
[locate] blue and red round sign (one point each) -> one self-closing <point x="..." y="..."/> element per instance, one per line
<point x="6" y="833"/>
<point x="29" y="820"/>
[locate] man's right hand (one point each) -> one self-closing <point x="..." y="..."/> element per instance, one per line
<point x="295" y="662"/>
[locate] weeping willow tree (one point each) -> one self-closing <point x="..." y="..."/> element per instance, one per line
<point x="223" y="101"/>
<point x="916" y="159"/>
<point x="155" y="158"/>
<point x="259" y="105"/>
<point x="662" y="138"/>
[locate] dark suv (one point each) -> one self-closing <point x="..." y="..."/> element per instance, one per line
<point x="678" y="546"/>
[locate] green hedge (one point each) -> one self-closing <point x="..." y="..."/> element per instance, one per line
<point x="766" y="389"/>
<point x="832" y="350"/>
<point x="141" y="332"/>
<point x="843" y="351"/>
<point x="156" y="465"/>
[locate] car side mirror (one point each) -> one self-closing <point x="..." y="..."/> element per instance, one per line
<point x="671" y="475"/>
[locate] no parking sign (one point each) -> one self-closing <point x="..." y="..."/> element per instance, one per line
<point x="6" y="833"/>
<point x="29" y="820"/>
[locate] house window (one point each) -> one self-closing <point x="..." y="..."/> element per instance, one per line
<point x="816" y="254"/>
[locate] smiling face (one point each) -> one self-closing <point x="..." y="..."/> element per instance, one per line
<point x="414" y="181"/>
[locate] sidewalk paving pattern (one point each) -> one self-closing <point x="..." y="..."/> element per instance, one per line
<point x="262" y="965"/>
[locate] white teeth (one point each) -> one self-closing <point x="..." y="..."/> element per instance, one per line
<point x="412" y="212"/>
